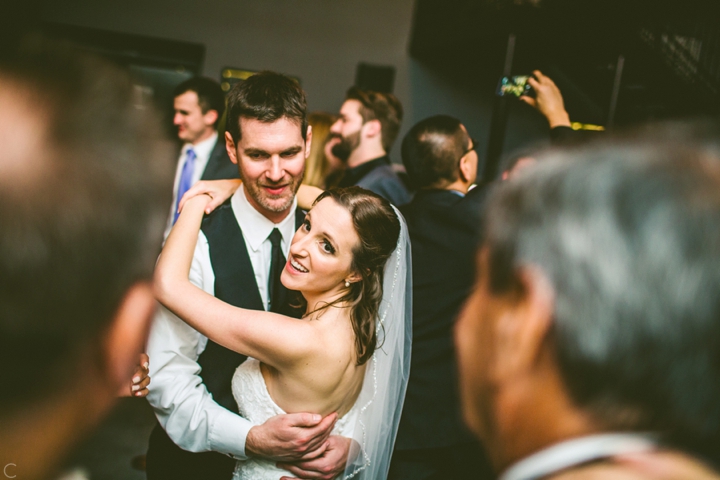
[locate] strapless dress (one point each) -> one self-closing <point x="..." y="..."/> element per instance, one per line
<point x="255" y="404"/>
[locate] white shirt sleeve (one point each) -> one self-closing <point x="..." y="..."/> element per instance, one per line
<point x="182" y="404"/>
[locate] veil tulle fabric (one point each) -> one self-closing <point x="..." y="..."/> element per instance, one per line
<point x="386" y="377"/>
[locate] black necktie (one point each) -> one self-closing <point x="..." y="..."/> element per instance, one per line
<point x="277" y="263"/>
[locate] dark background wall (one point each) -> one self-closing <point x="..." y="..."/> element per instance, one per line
<point x="447" y="54"/>
<point x="319" y="41"/>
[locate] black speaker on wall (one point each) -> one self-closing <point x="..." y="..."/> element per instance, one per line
<point x="380" y="78"/>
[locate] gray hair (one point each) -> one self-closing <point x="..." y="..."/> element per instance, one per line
<point x="629" y="236"/>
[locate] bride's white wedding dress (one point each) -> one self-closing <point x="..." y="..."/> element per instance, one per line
<point x="372" y="422"/>
<point x="255" y="404"/>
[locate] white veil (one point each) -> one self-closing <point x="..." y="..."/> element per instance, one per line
<point x="386" y="377"/>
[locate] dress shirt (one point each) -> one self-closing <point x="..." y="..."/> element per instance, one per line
<point x="202" y="155"/>
<point x="181" y="402"/>
<point x="575" y="452"/>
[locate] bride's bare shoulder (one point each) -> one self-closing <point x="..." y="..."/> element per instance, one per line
<point x="334" y="331"/>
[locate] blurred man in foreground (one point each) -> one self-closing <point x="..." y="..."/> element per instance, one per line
<point x="589" y="346"/>
<point x="84" y="193"/>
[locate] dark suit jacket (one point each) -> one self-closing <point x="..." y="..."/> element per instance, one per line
<point x="378" y="176"/>
<point x="443" y="228"/>
<point x="219" y="165"/>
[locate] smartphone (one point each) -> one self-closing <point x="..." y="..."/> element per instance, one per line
<point x="515" y="86"/>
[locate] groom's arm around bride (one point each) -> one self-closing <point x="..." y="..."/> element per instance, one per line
<point x="192" y="421"/>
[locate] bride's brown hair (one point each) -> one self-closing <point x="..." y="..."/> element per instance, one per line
<point x="378" y="228"/>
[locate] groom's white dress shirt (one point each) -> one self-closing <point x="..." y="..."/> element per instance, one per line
<point x="181" y="402"/>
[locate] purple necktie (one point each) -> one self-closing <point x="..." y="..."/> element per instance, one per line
<point x="185" y="179"/>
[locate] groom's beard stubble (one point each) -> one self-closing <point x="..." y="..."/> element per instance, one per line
<point x="273" y="203"/>
<point x="346" y="145"/>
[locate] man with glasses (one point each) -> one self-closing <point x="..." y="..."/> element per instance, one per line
<point x="442" y="165"/>
<point x="367" y="127"/>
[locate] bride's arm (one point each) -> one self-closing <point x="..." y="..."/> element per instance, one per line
<point x="271" y="338"/>
<point x="218" y="190"/>
<point x="306" y="196"/>
<point x="221" y="190"/>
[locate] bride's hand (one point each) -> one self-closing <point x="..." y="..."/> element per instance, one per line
<point x="218" y="190"/>
<point x="140" y="379"/>
<point x="173" y="266"/>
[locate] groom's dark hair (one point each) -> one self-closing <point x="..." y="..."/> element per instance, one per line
<point x="267" y="97"/>
<point x="84" y="193"/>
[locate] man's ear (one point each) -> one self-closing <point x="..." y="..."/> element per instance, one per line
<point x="126" y="337"/>
<point x="372" y="128"/>
<point x="465" y="168"/>
<point x="523" y="328"/>
<point x="230" y="147"/>
<point x="308" y="141"/>
<point x="210" y="117"/>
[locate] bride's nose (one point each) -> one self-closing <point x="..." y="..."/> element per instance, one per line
<point x="298" y="247"/>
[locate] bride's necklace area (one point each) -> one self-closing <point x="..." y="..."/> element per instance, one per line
<point x="341" y="300"/>
<point x="320" y="310"/>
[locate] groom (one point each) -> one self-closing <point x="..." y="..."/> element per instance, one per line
<point x="240" y="254"/>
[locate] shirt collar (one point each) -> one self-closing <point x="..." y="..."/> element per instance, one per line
<point x="204" y="148"/>
<point x="577" y="451"/>
<point x="256" y="227"/>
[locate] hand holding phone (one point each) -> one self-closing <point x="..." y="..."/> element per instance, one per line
<point x="547" y="99"/>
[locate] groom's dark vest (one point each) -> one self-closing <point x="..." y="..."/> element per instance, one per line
<point x="235" y="284"/>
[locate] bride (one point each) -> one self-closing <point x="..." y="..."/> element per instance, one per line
<point x="349" y="353"/>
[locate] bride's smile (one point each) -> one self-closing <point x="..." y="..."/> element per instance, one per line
<point x="321" y="254"/>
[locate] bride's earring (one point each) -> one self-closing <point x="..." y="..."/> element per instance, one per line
<point x="347" y="284"/>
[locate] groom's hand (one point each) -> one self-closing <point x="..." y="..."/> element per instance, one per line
<point x="327" y="466"/>
<point x="291" y="437"/>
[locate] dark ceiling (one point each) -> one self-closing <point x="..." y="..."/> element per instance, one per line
<point x="670" y="50"/>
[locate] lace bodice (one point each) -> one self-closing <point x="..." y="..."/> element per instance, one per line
<point x="255" y="404"/>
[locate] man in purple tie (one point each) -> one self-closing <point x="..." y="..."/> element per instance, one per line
<point x="199" y="103"/>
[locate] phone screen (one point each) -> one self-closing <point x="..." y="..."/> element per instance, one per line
<point x="516" y="86"/>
